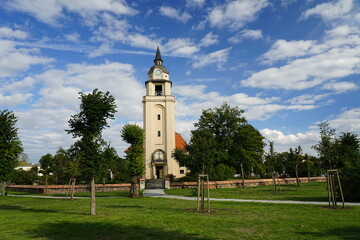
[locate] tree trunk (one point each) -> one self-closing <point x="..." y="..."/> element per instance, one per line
<point x="297" y="176"/>
<point x="46" y="184"/>
<point x="93" y="200"/>
<point x="134" y="193"/>
<point x="3" y="192"/>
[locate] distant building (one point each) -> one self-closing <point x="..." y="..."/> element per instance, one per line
<point x="159" y="124"/>
<point x="28" y="167"/>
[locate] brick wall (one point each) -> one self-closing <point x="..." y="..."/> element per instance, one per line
<point x="64" y="188"/>
<point x="248" y="183"/>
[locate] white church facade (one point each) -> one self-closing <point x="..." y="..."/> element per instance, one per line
<point x="159" y="124"/>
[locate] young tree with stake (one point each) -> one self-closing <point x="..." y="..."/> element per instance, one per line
<point x="95" y="109"/>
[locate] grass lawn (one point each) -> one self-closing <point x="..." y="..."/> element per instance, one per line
<point x="152" y="218"/>
<point x="306" y="192"/>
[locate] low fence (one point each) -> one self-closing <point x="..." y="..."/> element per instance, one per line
<point x="248" y="182"/>
<point x="54" y="189"/>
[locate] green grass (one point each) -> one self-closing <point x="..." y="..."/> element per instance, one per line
<point x="306" y="192"/>
<point x="153" y="218"/>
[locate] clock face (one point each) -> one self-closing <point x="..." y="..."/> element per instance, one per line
<point x="158" y="72"/>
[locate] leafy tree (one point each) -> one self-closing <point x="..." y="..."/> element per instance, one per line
<point x="47" y="164"/>
<point x="22" y="177"/>
<point x="134" y="135"/>
<point x="65" y="166"/>
<point x="272" y="161"/>
<point x="349" y="165"/>
<point x="327" y="147"/>
<point x="95" y="109"/>
<point x="295" y="156"/>
<point x="10" y="145"/>
<point x="222" y="136"/>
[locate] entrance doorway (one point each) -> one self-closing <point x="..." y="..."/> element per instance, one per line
<point x="159" y="172"/>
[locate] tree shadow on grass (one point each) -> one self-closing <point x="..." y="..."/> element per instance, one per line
<point x="36" y="210"/>
<point x="73" y="230"/>
<point x="348" y="233"/>
<point x="123" y="206"/>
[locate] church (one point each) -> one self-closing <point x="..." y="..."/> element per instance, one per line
<point x="159" y="124"/>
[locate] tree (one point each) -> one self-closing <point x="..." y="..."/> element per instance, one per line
<point x="95" y="109"/>
<point x="349" y="165"/>
<point x="295" y="157"/>
<point x="222" y="136"/>
<point x="327" y="146"/>
<point x="65" y="166"/>
<point x="10" y="145"/>
<point x="134" y="135"/>
<point x="47" y="164"/>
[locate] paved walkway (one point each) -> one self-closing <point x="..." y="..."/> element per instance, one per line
<point x="159" y="193"/>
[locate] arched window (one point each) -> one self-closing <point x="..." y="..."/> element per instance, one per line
<point x="158" y="117"/>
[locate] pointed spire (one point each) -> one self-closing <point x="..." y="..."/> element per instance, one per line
<point x="158" y="60"/>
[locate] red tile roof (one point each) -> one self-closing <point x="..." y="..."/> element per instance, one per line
<point x="179" y="141"/>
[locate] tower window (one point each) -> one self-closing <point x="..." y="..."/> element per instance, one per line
<point x="158" y="117"/>
<point x="159" y="134"/>
<point x="182" y="171"/>
<point x="158" y="90"/>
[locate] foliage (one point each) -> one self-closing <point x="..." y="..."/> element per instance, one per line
<point x="95" y="109"/>
<point x="65" y="166"/>
<point x="21" y="177"/>
<point x="327" y="147"/>
<point x="47" y="164"/>
<point x="223" y="172"/>
<point x="222" y="136"/>
<point x="10" y="144"/>
<point x="349" y="165"/>
<point x="134" y="135"/>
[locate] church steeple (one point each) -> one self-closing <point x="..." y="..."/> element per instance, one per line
<point x="158" y="60"/>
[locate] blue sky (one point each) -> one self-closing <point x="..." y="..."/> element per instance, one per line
<point x="290" y="64"/>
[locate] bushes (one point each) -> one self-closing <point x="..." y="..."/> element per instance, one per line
<point x="223" y="172"/>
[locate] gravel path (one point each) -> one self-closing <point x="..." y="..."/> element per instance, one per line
<point x="161" y="194"/>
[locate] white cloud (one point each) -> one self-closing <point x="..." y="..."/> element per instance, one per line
<point x="209" y="39"/>
<point x="73" y="37"/>
<point x="24" y="58"/>
<point x="310" y="63"/>
<point x="60" y="87"/>
<point x="235" y="14"/>
<point x="340" y="87"/>
<point x="307" y="99"/>
<point x="282" y="142"/>
<point x="283" y="49"/>
<point x="348" y="121"/>
<point x="174" y="13"/>
<point x="218" y="57"/>
<point x="19" y="86"/>
<point x="330" y="10"/>
<point x="246" y="34"/>
<point x="50" y="11"/>
<point x="191" y="99"/>
<point x="195" y="3"/>
<point x="180" y="47"/>
<point x="6" y="32"/>
<point x="14" y="99"/>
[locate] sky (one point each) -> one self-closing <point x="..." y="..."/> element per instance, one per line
<point x="289" y="64"/>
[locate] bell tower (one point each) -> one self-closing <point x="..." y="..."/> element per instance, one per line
<point x="159" y="122"/>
